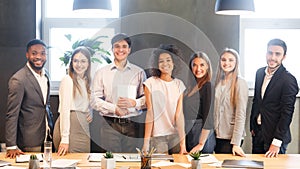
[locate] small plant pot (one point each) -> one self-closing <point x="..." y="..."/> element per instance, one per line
<point x="108" y="163"/>
<point x="196" y="164"/>
<point x="34" y="164"/>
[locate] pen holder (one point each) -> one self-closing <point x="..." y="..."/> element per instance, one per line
<point x="145" y="162"/>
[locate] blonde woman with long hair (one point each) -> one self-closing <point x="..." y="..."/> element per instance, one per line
<point x="231" y="97"/>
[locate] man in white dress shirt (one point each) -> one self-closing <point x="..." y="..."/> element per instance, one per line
<point x="118" y="95"/>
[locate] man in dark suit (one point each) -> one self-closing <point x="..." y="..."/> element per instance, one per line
<point x="273" y="103"/>
<point x="28" y="118"/>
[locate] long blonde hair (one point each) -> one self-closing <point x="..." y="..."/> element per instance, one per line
<point x="235" y="73"/>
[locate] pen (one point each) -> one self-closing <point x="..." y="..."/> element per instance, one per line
<point x="204" y="155"/>
<point x="124" y="157"/>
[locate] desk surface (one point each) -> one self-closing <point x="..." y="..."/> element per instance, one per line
<point x="286" y="161"/>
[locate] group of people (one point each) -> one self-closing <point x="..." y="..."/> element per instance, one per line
<point x="205" y="115"/>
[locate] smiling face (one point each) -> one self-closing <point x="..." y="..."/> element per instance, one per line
<point x="199" y="67"/>
<point x="228" y="62"/>
<point x="37" y="57"/>
<point x="165" y="63"/>
<point x="121" y="50"/>
<point x="275" y="56"/>
<point x="80" y="64"/>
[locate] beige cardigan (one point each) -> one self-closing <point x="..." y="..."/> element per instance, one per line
<point x="230" y="122"/>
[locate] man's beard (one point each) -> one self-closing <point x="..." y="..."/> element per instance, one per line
<point x="35" y="67"/>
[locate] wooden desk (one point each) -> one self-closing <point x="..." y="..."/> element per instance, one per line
<point x="285" y="161"/>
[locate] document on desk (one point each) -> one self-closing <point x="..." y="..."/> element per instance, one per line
<point x="4" y="163"/>
<point x="13" y="167"/>
<point x="168" y="163"/>
<point x="162" y="157"/>
<point x="64" y="163"/>
<point x="119" y="157"/>
<point x="24" y="158"/>
<point x="229" y="163"/>
<point x="206" y="158"/>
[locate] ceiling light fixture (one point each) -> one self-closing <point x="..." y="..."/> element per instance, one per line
<point x="92" y="4"/>
<point x="234" y="7"/>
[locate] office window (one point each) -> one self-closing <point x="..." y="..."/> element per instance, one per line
<point x="60" y="20"/>
<point x="272" y="19"/>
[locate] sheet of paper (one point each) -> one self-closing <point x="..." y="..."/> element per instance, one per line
<point x="128" y="91"/>
<point x="127" y="157"/>
<point x="95" y="157"/>
<point x="24" y="158"/>
<point x="4" y="163"/>
<point x="167" y="163"/>
<point x="13" y="167"/>
<point x="119" y="157"/>
<point x="64" y="163"/>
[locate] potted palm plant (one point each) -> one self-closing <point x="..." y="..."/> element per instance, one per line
<point x="93" y="44"/>
<point x="195" y="162"/>
<point x="108" y="161"/>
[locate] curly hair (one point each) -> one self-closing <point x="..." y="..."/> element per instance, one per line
<point x="170" y="49"/>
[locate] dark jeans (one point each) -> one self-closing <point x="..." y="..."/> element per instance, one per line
<point x="193" y="132"/>
<point x="223" y="146"/>
<point x="260" y="147"/>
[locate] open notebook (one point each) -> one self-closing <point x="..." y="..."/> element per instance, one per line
<point x="242" y="164"/>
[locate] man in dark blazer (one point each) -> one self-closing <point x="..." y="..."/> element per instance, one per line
<point x="273" y="103"/>
<point x="28" y="117"/>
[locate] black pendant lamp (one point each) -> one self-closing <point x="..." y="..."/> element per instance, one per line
<point x="234" y="7"/>
<point x="92" y="4"/>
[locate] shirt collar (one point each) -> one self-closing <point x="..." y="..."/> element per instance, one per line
<point x="270" y="74"/>
<point x="34" y="73"/>
<point x="127" y="66"/>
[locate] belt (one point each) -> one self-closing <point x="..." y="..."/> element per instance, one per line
<point x="117" y="120"/>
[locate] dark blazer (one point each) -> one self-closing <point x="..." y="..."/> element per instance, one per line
<point x="26" y="111"/>
<point x="277" y="105"/>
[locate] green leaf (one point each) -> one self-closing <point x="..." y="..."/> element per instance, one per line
<point x="33" y="157"/>
<point x="69" y="37"/>
<point x="92" y="44"/>
<point x="94" y="59"/>
<point x="108" y="154"/>
<point x="107" y="59"/>
<point x="196" y="155"/>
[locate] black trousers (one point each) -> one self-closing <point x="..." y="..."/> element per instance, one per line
<point x="259" y="146"/>
<point x="223" y="146"/>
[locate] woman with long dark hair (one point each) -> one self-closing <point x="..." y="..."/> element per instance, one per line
<point x="197" y="106"/>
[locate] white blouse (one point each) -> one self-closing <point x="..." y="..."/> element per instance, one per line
<point x="67" y="103"/>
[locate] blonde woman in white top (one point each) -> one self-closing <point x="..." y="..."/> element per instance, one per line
<point x="231" y="97"/>
<point x="164" y="126"/>
<point x="71" y="133"/>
